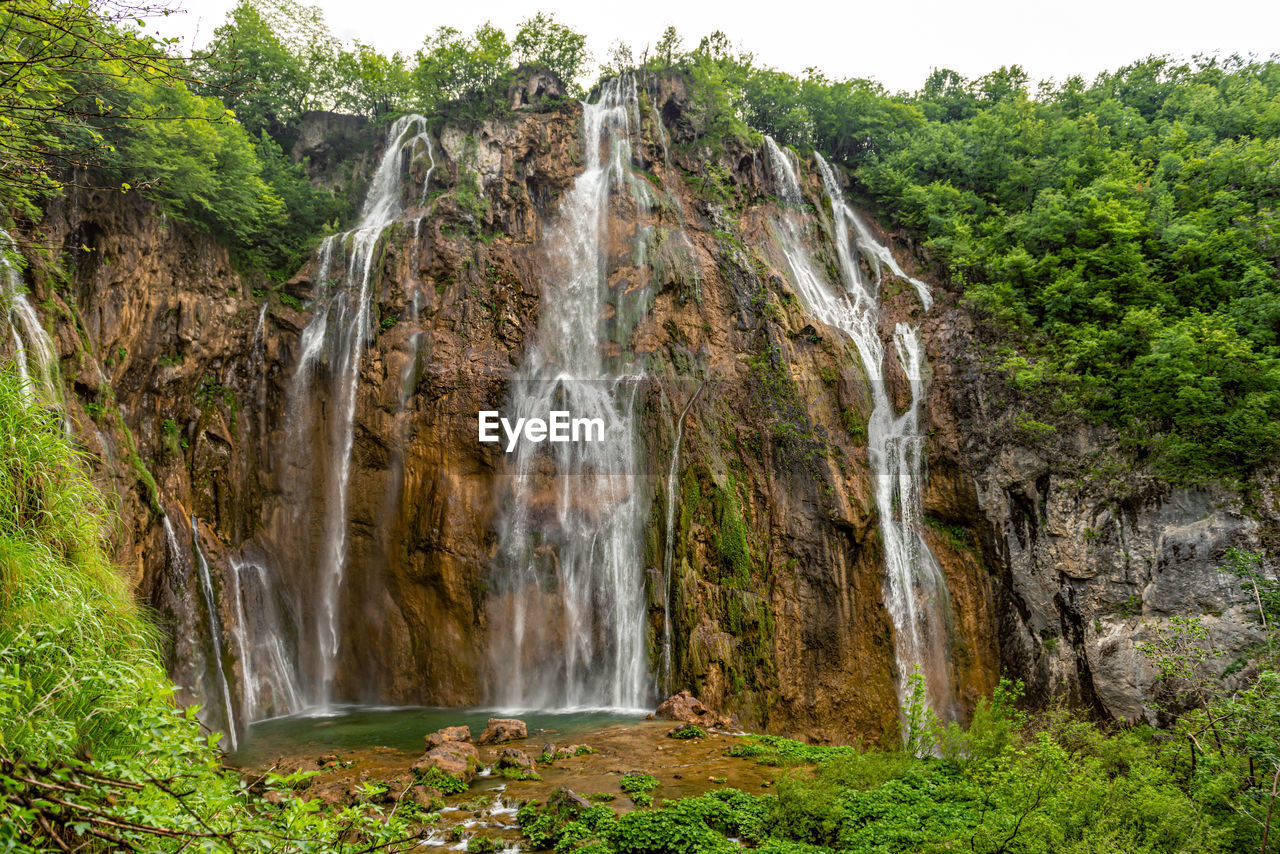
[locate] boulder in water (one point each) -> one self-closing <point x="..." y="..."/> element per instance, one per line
<point x="448" y="734"/>
<point x="501" y="730"/>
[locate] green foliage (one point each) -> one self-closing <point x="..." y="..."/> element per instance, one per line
<point x="171" y="437"/>
<point x="1231" y="728"/>
<point x="543" y="42"/>
<point x="730" y="537"/>
<point x="463" y="74"/>
<point x="1247" y="566"/>
<point x="1125" y="223"/>
<point x="687" y="731"/>
<point x="274" y="60"/>
<point x="1012" y="783"/>
<point x="448" y="784"/>
<point x="203" y="170"/>
<point x="75" y="657"/>
<point x="485" y="844"/>
<point x="63" y="64"/>
<point x="778" y="751"/>
<point x="266" y="82"/>
<point x="638" y="787"/>
<point x="920" y="724"/>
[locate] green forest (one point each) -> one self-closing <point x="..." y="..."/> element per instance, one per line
<point x="1121" y="234"/>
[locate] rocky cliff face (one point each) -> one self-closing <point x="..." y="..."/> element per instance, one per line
<point x="765" y="591"/>
<point x="1092" y="555"/>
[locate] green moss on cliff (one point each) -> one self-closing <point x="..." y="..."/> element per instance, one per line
<point x="730" y="537"/>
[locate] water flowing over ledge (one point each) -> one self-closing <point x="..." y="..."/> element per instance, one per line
<point x="567" y="609"/>
<point x="915" y="590"/>
<point x="336" y="336"/>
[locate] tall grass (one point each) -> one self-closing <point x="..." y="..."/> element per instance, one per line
<point x="77" y="658"/>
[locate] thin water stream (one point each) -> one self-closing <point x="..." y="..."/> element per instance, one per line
<point x="915" y="590"/>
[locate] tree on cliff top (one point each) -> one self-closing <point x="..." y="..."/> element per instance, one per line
<point x="544" y="42"/>
<point x="61" y="63"/>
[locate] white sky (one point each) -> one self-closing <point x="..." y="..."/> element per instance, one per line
<point x="895" y="43"/>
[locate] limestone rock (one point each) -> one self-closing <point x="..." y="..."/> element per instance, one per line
<point x="512" y="758"/>
<point x="501" y="730"/>
<point x="446" y="735"/>
<point x="566" y="798"/>
<point x="332" y="793"/>
<point x="458" y="759"/>
<point x="533" y="87"/>
<point x="427" y="798"/>
<point x="688" y="708"/>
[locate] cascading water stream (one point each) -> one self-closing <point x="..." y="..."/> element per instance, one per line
<point x="267" y="677"/>
<point x="567" y="610"/>
<point x="33" y="350"/>
<point x="337" y="334"/>
<point x="915" y="590"/>
<point x="215" y="623"/>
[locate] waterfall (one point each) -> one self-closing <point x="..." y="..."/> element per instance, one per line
<point x="33" y="350"/>
<point x="268" y="684"/>
<point x="258" y="363"/>
<point x="915" y="590"/>
<point x="567" y="611"/>
<point x="336" y="335"/>
<point x="426" y="179"/>
<point x="215" y="623"/>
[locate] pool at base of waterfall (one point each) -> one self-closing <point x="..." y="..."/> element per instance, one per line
<point x="402" y="728"/>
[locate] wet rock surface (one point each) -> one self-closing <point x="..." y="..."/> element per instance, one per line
<point x="458" y="759"/>
<point x="446" y="735"/>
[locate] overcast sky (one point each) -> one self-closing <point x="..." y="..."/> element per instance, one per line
<point x="895" y="43"/>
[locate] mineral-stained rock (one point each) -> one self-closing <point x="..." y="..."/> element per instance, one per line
<point x="446" y="735"/>
<point x="501" y="730"/>
<point x="455" y="758"/>
<point x="332" y="793"/>
<point x="686" y="707"/>
<point x="512" y="758"/>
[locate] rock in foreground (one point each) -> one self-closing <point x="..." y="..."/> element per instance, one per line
<point x="688" y="708"/>
<point x="446" y="735"/>
<point x="501" y="730"/>
<point x="458" y="759"/>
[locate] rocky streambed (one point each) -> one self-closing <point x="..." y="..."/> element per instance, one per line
<point x="464" y="788"/>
